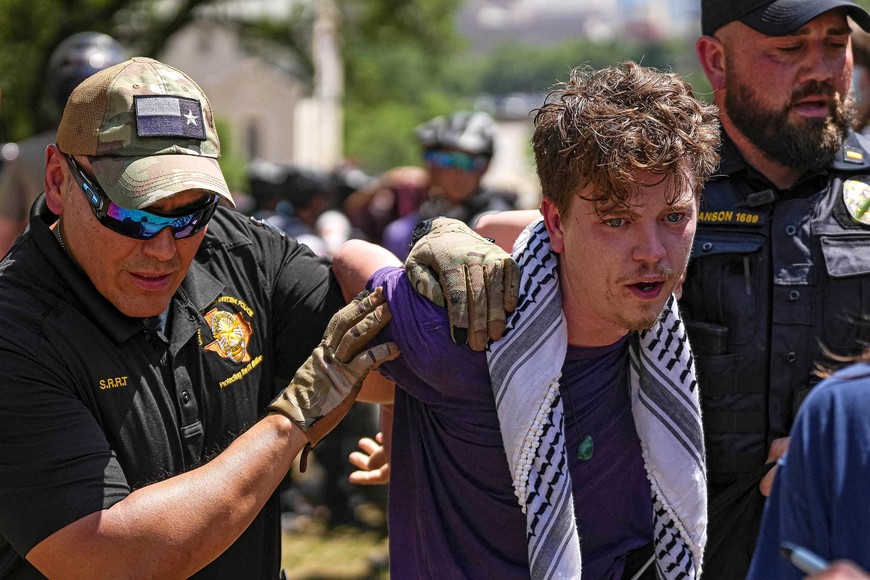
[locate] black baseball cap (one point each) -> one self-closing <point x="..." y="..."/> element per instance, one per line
<point x="773" y="18"/>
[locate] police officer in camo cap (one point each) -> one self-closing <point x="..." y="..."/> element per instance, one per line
<point x="154" y="387"/>
<point x="780" y="268"/>
<point x="164" y="358"/>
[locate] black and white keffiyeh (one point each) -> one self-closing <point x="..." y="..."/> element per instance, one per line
<point x="525" y="366"/>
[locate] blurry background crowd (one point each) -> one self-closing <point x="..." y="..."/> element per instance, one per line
<point x="337" y="87"/>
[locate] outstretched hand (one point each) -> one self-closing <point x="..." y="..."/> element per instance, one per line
<point x="476" y="280"/>
<point x="840" y="570"/>
<point x="372" y="463"/>
<point x="374" y="459"/>
<point x="778" y="447"/>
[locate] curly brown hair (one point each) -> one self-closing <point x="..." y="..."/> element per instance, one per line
<point x="604" y="126"/>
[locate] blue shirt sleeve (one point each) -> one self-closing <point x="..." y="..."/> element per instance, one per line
<point x="820" y="498"/>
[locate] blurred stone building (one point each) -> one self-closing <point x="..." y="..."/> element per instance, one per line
<point x="274" y="112"/>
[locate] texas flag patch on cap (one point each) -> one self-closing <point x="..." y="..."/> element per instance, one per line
<point x="167" y="116"/>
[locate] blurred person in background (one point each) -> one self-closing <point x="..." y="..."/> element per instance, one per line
<point x="73" y="60"/>
<point x="457" y="150"/>
<point x="6" y="149"/>
<point x="296" y="200"/>
<point x="398" y="192"/>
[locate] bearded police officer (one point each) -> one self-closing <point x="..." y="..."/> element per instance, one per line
<point x="146" y="331"/>
<point x="781" y="260"/>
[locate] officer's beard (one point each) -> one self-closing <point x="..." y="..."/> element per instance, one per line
<point x="804" y="143"/>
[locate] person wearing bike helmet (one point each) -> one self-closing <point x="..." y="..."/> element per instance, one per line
<point x="73" y="60"/>
<point x="457" y="150"/>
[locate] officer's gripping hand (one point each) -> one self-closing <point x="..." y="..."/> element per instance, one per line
<point x="326" y="385"/>
<point x="453" y="266"/>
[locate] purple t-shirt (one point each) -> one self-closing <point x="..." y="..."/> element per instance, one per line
<point x="612" y="496"/>
<point x="452" y="509"/>
<point x="397" y="235"/>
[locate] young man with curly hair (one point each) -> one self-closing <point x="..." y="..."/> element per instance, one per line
<point x="578" y="432"/>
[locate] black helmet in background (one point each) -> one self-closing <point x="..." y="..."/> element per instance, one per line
<point x="270" y="183"/>
<point x="471" y="132"/>
<point x="76" y="58"/>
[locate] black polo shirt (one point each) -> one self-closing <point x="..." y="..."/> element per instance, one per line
<point x="94" y="404"/>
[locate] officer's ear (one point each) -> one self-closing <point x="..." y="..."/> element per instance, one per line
<point x="711" y="55"/>
<point x="54" y="177"/>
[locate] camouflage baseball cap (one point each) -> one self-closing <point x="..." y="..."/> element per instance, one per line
<point x="148" y="131"/>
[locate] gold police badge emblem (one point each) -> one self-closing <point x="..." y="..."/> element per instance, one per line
<point x="856" y="196"/>
<point x="231" y="332"/>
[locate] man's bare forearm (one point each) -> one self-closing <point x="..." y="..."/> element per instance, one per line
<point x="505" y="226"/>
<point x="356" y="261"/>
<point x="353" y="265"/>
<point x="177" y="526"/>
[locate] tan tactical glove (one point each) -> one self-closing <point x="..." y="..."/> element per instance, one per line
<point x="479" y="280"/>
<point x="325" y="386"/>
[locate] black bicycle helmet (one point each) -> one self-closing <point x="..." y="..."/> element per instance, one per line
<point x="472" y="132"/>
<point x="270" y="182"/>
<point x="76" y="58"/>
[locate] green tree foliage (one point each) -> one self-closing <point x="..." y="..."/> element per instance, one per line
<point x="232" y="163"/>
<point x="516" y="67"/>
<point x="404" y="61"/>
<point x="396" y="53"/>
<point x="405" y="69"/>
<point x="30" y="29"/>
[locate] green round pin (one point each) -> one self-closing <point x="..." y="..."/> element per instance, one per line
<point x="585" y="449"/>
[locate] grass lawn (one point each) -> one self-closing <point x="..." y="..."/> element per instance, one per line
<point x="343" y="553"/>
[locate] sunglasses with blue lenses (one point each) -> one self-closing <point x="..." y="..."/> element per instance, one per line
<point x="456" y="160"/>
<point x="138" y="223"/>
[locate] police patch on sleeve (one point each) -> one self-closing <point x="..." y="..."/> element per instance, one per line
<point x="168" y="116"/>
<point x="856" y="196"/>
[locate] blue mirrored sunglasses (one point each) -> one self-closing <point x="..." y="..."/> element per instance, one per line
<point x="456" y="160"/>
<point x="138" y="223"/>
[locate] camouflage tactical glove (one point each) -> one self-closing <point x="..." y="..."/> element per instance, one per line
<point x="452" y="266"/>
<point x="325" y="386"/>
